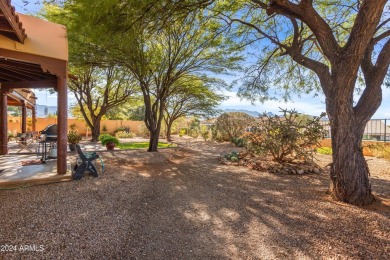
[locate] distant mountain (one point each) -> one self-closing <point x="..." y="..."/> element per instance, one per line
<point x="43" y="111"/>
<point x="251" y="113"/>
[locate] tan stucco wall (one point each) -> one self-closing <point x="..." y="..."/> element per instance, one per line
<point x="366" y="151"/>
<point x="14" y="125"/>
<point x="43" y="38"/>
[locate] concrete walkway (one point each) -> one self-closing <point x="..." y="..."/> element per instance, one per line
<point x="14" y="174"/>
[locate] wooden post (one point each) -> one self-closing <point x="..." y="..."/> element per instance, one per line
<point x="3" y="123"/>
<point x="34" y="119"/>
<point x="62" y="103"/>
<point x="24" y="116"/>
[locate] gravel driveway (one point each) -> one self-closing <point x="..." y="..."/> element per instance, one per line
<point x="182" y="204"/>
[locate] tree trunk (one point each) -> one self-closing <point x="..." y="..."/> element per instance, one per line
<point x="153" y="141"/>
<point x="169" y="127"/>
<point x="96" y="131"/>
<point x="349" y="173"/>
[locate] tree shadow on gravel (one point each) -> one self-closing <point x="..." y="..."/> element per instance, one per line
<point x="230" y="212"/>
<point x="182" y="204"/>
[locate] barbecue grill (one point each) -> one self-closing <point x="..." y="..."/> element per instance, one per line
<point x="49" y="134"/>
<point x="48" y="137"/>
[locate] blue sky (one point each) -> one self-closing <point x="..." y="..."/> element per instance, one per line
<point x="305" y="104"/>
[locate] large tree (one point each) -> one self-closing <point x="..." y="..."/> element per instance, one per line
<point x="158" y="56"/>
<point x="97" y="90"/>
<point x="193" y="98"/>
<point x="334" y="41"/>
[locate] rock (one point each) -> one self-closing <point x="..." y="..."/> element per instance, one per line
<point x="300" y="171"/>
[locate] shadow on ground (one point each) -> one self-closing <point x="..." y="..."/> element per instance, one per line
<point x="181" y="204"/>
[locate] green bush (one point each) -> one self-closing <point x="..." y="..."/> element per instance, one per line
<point x="104" y="136"/>
<point x="286" y="138"/>
<point x="123" y="134"/>
<point x="74" y="137"/>
<point x="182" y="132"/>
<point x="233" y="156"/>
<point x="324" y="150"/>
<point x="194" y="133"/>
<point x="239" y="141"/>
<point x="205" y="135"/>
<point x="231" y="125"/>
<point x="110" y="140"/>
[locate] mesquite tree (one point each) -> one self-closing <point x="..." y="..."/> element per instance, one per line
<point x="338" y="42"/>
<point x="193" y="98"/>
<point x="98" y="90"/>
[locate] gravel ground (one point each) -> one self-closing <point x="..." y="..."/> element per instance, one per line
<point x="182" y="204"/>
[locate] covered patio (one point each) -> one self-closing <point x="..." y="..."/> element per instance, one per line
<point x="33" y="54"/>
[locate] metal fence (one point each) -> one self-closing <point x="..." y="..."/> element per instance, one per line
<point x="375" y="130"/>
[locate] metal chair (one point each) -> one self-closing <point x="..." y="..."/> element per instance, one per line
<point x="84" y="164"/>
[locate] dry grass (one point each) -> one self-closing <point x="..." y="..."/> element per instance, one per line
<point x="181" y="204"/>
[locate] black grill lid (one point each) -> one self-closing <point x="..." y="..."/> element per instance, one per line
<point x="50" y="130"/>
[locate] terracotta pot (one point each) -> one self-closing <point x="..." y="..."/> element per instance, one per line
<point x="110" y="146"/>
<point x="72" y="147"/>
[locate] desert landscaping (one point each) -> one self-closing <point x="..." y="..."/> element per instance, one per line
<point x="182" y="203"/>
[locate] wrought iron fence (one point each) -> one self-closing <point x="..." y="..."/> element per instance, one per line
<point x="375" y="130"/>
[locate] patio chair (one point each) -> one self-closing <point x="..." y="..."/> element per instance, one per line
<point x="24" y="141"/>
<point x="84" y="164"/>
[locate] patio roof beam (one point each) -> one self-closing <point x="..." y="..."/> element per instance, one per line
<point x="28" y="72"/>
<point x="30" y="84"/>
<point x="19" y="74"/>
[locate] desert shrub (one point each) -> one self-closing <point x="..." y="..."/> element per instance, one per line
<point x="104" y="129"/>
<point x="287" y="137"/>
<point x="194" y="128"/>
<point x="205" y="135"/>
<point x="205" y="132"/>
<point x="230" y="125"/>
<point x="324" y="150"/>
<point x="144" y="130"/>
<point x="194" y="133"/>
<point x="120" y="129"/>
<point x="380" y="150"/>
<point x="233" y="156"/>
<point x="104" y="136"/>
<point x="123" y="134"/>
<point x="238" y="141"/>
<point x="182" y="132"/>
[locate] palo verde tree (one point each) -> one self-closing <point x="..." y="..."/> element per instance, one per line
<point x="193" y="98"/>
<point x="340" y="47"/>
<point x="97" y="90"/>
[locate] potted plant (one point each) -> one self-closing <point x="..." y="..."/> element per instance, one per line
<point x="110" y="142"/>
<point x="73" y="139"/>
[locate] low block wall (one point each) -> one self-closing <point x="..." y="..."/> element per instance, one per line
<point x="14" y="125"/>
<point x="366" y="151"/>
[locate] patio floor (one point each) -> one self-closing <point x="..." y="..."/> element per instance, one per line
<point x="13" y="174"/>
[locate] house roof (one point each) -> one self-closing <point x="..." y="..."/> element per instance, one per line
<point x="27" y="95"/>
<point x="10" y="24"/>
<point x="45" y="39"/>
